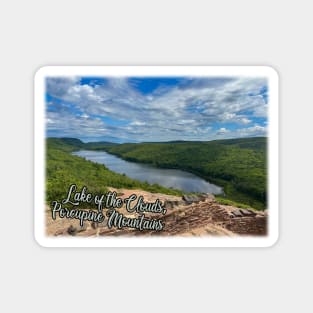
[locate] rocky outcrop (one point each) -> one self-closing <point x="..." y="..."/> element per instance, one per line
<point x="170" y="204"/>
<point x="199" y="215"/>
<point x="253" y="226"/>
<point x="189" y="199"/>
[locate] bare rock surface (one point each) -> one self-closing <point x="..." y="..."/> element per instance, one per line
<point x="199" y="215"/>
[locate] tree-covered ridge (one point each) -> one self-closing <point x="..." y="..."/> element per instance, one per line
<point x="239" y="165"/>
<point x="64" y="169"/>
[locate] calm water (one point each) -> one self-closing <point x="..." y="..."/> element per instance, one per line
<point x="165" y="177"/>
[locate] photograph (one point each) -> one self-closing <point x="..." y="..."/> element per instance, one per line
<point x="156" y="155"/>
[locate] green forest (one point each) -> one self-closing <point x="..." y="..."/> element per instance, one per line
<point x="238" y="165"/>
<point x="64" y="169"/>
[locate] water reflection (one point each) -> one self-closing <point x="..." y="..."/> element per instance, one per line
<point x="165" y="177"/>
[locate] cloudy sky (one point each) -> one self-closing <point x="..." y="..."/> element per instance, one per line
<point x="156" y="109"/>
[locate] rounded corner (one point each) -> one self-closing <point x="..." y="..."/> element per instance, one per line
<point x="272" y="71"/>
<point x="40" y="72"/>
<point x="273" y="241"/>
<point x="39" y="241"/>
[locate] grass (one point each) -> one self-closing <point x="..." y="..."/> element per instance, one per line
<point x="224" y="201"/>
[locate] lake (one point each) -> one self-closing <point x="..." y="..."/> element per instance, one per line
<point x="169" y="178"/>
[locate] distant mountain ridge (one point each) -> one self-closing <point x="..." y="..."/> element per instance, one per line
<point x="78" y="143"/>
<point x="71" y="144"/>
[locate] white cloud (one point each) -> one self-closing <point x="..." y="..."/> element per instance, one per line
<point x="180" y="112"/>
<point x="137" y="123"/>
<point x="59" y="86"/>
<point x="255" y="130"/>
<point x="222" y="131"/>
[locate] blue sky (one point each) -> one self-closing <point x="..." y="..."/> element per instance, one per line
<point x="136" y="109"/>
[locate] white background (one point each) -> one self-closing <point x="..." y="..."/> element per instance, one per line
<point x="37" y="33"/>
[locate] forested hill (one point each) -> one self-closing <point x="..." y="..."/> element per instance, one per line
<point x="64" y="169"/>
<point x="239" y="165"/>
<point x="72" y="144"/>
